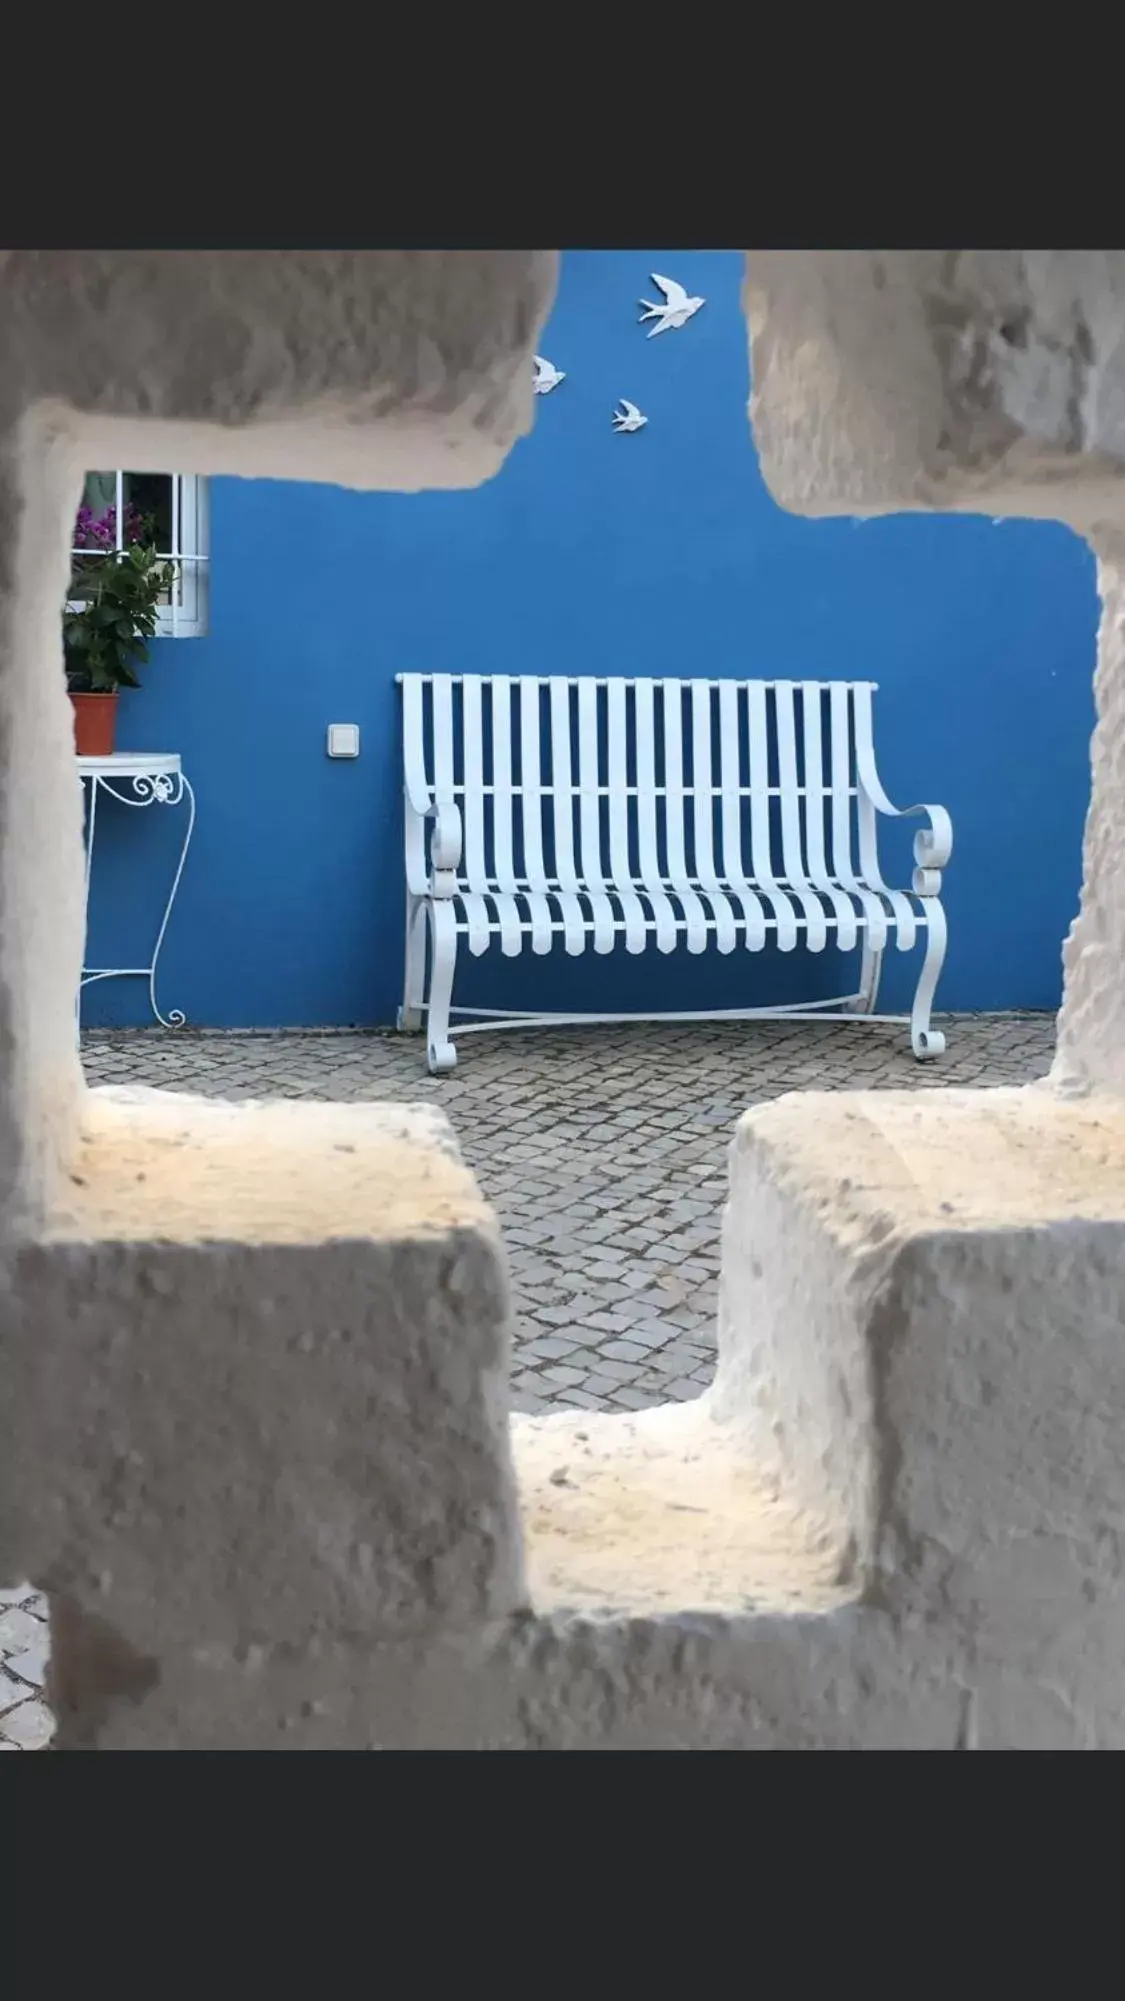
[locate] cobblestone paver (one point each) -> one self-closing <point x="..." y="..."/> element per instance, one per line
<point x="603" y="1151"/>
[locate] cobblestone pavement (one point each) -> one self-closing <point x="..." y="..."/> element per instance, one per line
<point x="25" y="1721"/>
<point x="603" y="1151"/>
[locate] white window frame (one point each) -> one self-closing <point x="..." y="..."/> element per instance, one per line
<point x="186" y="616"/>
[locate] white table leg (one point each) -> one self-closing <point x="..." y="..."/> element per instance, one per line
<point x="141" y="789"/>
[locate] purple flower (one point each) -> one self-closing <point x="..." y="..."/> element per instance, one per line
<point x="99" y="532"/>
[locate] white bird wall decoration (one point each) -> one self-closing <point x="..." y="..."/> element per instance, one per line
<point x="676" y="310"/>
<point x="547" y="376"/>
<point x="627" y="417"/>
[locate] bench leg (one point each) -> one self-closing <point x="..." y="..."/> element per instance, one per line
<point x="440" y="1052"/>
<point x="869" y="975"/>
<point x="414" y="975"/>
<point x="924" y="1040"/>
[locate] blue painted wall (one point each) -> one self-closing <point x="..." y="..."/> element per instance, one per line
<point x="660" y="552"/>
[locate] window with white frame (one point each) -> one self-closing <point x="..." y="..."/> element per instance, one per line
<point x="169" y="509"/>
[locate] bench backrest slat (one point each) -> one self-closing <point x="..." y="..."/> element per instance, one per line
<point x="703" y="804"/>
<point x="763" y="867"/>
<point x="617" y="778"/>
<point x="733" y="853"/>
<point x="472" y="752"/>
<point x="865" y="777"/>
<point x="840" y="709"/>
<point x="531" y="793"/>
<point x="592" y="863"/>
<point x="673" y="718"/>
<point x="648" y="844"/>
<point x="566" y="868"/>
<point x="811" y="716"/>
<point x="503" y="798"/>
<point x="417" y="780"/>
<point x="445" y="782"/>
<point x="792" y="850"/>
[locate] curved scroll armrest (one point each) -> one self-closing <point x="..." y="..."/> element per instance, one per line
<point x="933" y="845"/>
<point x="445" y="841"/>
<point x="445" y="849"/>
<point x="418" y="795"/>
<point x="445" y="845"/>
<point x="438" y="876"/>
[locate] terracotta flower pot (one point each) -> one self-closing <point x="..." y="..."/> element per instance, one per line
<point x="95" y="719"/>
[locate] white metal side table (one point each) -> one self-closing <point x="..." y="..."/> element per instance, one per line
<point x="137" y="778"/>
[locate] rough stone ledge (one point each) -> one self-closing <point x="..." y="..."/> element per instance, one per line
<point x="854" y="1679"/>
<point x="255" y="1379"/>
<point x="665" y="1512"/>
<point x="910" y="1466"/>
<point x="943" y="1374"/>
<point x="531" y="1683"/>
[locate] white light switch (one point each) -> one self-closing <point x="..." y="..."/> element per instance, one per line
<point x="343" y="739"/>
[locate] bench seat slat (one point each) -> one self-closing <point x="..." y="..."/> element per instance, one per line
<point x="490" y="910"/>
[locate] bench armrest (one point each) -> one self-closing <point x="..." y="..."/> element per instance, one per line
<point x="445" y="841"/>
<point x="933" y="845"/>
<point x="422" y="804"/>
<point x="445" y="851"/>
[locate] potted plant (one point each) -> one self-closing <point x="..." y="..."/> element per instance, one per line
<point x="109" y="618"/>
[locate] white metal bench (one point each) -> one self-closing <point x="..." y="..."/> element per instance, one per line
<point x="654" y="812"/>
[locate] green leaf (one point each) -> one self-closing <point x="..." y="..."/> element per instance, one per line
<point x="116" y="601"/>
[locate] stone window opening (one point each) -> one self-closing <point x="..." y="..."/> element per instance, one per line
<point x="373" y="1588"/>
<point x="636" y="1514"/>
